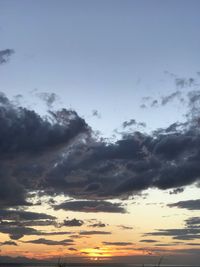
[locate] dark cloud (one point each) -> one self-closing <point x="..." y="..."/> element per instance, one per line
<point x="59" y="154"/>
<point x="96" y="113"/>
<point x="124" y="227"/>
<point x="176" y="191"/>
<point x="91" y="206"/>
<point x="95" y="233"/>
<point x="23" y="215"/>
<point x="25" y="138"/>
<point x="129" y="123"/>
<point x="184" y="82"/>
<point x="187" y="204"/>
<point x="178" y="234"/>
<point x="99" y="225"/>
<point x="25" y="131"/>
<point x="8" y="243"/>
<point x="5" y="55"/>
<point x="193" y="222"/>
<point x="117" y="243"/>
<point x="192" y="244"/>
<point x="73" y="222"/>
<point x="16" y="232"/>
<point x="65" y="242"/>
<point x="72" y="249"/>
<point x="149" y="241"/>
<point x="171" y="97"/>
<point x="133" y="122"/>
<point x="154" y="103"/>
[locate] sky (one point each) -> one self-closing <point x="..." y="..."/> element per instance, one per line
<point x="99" y="136"/>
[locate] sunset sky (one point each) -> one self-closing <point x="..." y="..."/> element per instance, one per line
<point x="99" y="130"/>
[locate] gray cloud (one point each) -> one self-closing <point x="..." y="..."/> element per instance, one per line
<point x="8" y="243"/>
<point x="72" y="249"/>
<point x="5" y="55"/>
<point x="91" y="206"/>
<point x="23" y="215"/>
<point x="187" y="204"/>
<point x="95" y="233"/>
<point x="193" y="222"/>
<point x="169" y="98"/>
<point x="149" y="241"/>
<point x="99" y="225"/>
<point x="117" y="243"/>
<point x="59" y="154"/>
<point x="124" y="227"/>
<point x="178" y="234"/>
<point x="16" y="232"/>
<point x="176" y="191"/>
<point x="65" y="242"/>
<point x="73" y="222"/>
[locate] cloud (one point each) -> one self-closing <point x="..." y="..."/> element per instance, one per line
<point x="48" y="98"/>
<point x="193" y="222"/>
<point x="8" y="243"/>
<point x="16" y="232"/>
<point x="72" y="249"/>
<point x="23" y="215"/>
<point x="59" y="154"/>
<point x="99" y="224"/>
<point x="193" y="244"/>
<point x="149" y="241"/>
<point x="133" y="122"/>
<point x="25" y="138"/>
<point x="176" y="191"/>
<point x="187" y="204"/>
<point x="73" y="222"/>
<point x="5" y="55"/>
<point x="178" y="234"/>
<point x="124" y="227"/>
<point x="95" y="233"/>
<point x="43" y="241"/>
<point x="96" y="113"/>
<point x="91" y="206"/>
<point x="117" y="243"/>
<point x="169" y="98"/>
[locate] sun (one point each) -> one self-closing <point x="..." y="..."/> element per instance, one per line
<point x="96" y="254"/>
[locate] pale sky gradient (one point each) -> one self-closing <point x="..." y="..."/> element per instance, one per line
<point x="105" y="56"/>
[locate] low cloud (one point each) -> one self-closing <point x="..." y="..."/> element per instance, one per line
<point x="187" y="204"/>
<point x="91" y="206"/>
<point x="73" y="222"/>
<point x="98" y="225"/>
<point x="5" y="55"/>
<point x="17" y="232"/>
<point x="59" y="154"/>
<point x="149" y="241"/>
<point x="8" y="243"/>
<point x="95" y="233"/>
<point x="43" y="241"/>
<point x="117" y="243"/>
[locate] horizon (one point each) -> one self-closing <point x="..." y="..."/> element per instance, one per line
<point x="99" y="131"/>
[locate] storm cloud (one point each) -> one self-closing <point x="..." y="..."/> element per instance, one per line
<point x="117" y="243"/>
<point x="187" y="204"/>
<point x="43" y="241"/>
<point x="73" y="222"/>
<point x="59" y="154"/>
<point x="95" y="233"/>
<point x="91" y="206"/>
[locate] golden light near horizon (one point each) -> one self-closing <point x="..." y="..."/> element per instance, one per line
<point x="104" y="168"/>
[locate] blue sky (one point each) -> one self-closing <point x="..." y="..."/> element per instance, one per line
<point x="113" y="62"/>
<point x="103" y="55"/>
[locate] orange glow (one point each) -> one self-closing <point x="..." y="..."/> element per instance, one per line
<point x="95" y="253"/>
